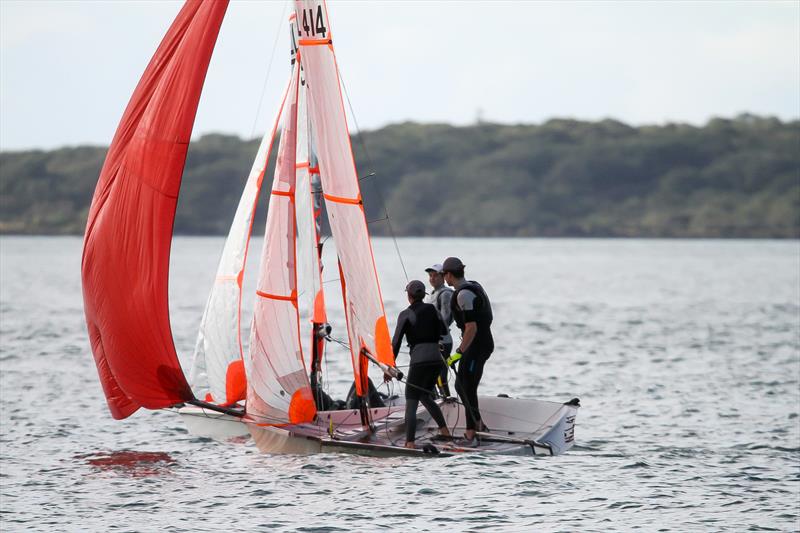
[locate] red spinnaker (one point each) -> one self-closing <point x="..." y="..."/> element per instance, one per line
<point x="125" y="266"/>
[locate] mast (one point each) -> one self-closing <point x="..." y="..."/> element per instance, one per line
<point x="309" y="209"/>
<point x="320" y="329"/>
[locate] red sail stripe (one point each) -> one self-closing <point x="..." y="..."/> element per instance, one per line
<point x="291" y="298"/>
<point x="342" y="200"/>
<point x="315" y="42"/>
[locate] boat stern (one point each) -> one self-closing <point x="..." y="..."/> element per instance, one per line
<point x="561" y="437"/>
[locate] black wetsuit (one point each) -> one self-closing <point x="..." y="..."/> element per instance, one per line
<point x="422" y="328"/>
<point x="470" y="367"/>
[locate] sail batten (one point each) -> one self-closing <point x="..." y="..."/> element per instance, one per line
<point x="125" y="262"/>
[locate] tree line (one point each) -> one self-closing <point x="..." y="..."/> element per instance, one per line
<point x="735" y="177"/>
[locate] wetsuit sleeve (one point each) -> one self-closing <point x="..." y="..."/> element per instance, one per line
<point x="466" y="302"/>
<point x="399" y="331"/>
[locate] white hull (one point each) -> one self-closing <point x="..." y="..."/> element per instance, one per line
<point x="517" y="427"/>
<point x="211" y="424"/>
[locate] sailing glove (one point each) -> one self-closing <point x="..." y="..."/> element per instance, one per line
<point x="453" y="358"/>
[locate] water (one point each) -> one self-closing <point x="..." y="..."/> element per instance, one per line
<point x="685" y="354"/>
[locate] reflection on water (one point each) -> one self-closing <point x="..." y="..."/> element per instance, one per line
<point x="131" y="463"/>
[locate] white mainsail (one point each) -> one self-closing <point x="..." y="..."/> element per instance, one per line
<point x="278" y="387"/>
<point x="308" y="260"/>
<point x="217" y="374"/>
<point x="366" y="319"/>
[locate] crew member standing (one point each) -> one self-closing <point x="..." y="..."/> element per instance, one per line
<point x="440" y="299"/>
<point x="472" y="313"/>
<point x="422" y="328"/>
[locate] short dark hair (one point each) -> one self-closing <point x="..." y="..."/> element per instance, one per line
<point x="459" y="273"/>
<point x="417" y="297"/>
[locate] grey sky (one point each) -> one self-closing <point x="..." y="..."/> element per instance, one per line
<point x="67" y="69"/>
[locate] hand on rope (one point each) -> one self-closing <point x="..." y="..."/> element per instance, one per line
<point x="453" y="358"/>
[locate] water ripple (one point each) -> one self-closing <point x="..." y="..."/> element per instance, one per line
<point x="686" y="356"/>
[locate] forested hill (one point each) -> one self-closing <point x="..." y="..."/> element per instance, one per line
<point x="729" y="178"/>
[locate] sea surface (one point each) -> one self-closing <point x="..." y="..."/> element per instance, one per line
<point x="685" y="355"/>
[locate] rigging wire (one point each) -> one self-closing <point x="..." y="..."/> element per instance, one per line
<point x="269" y="69"/>
<point x="337" y="341"/>
<point x="374" y="182"/>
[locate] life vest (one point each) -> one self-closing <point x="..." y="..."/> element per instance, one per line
<point x="482" y="307"/>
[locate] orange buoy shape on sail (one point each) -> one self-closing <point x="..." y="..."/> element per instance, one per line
<point x="302" y="408"/>
<point x="235" y="382"/>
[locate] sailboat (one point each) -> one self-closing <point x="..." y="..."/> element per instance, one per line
<point x="273" y="393"/>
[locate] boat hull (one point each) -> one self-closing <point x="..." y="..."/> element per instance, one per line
<point x="517" y="427"/>
<point x="212" y="424"/>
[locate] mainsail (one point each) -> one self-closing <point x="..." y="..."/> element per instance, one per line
<point x="366" y="319"/>
<point x="218" y="373"/>
<point x="307" y="205"/>
<point x="278" y="387"/>
<point x="125" y="263"/>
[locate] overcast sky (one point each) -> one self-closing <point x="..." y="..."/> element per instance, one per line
<point x="67" y="69"/>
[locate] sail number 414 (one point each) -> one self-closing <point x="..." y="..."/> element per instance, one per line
<point x="313" y="24"/>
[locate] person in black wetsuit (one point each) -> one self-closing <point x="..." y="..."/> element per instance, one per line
<point x="422" y="328"/>
<point x="472" y="313"/>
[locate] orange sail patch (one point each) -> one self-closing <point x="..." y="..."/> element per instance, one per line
<point x="319" y="308"/>
<point x="383" y="343"/>
<point x="235" y="382"/>
<point x="302" y="408"/>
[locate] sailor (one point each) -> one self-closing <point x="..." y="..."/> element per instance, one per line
<point x="472" y="313"/>
<point x="420" y="324"/>
<point x="440" y="299"/>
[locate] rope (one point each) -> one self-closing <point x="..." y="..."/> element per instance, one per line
<point x="269" y="69"/>
<point x="337" y="341"/>
<point x="389" y="392"/>
<point x="374" y="182"/>
<point x="466" y="405"/>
